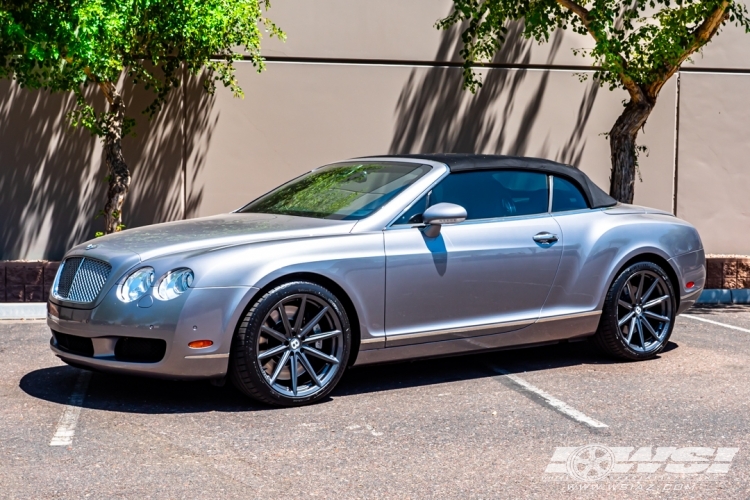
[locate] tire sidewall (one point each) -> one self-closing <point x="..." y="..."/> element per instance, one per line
<point x="248" y="343"/>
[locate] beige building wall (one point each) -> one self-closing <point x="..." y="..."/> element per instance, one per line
<point x="362" y="78"/>
<point x="299" y="116"/>
<point x="713" y="179"/>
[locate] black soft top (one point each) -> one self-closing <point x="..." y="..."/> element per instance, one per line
<point x="596" y="197"/>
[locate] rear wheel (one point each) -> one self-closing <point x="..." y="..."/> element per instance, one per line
<point x="638" y="314"/>
<point x="292" y="346"/>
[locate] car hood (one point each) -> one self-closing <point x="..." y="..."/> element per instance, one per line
<point x="212" y="232"/>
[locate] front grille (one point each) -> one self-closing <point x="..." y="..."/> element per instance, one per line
<point x="67" y="274"/>
<point x="74" y="344"/>
<point x="81" y="279"/>
<point x="138" y="350"/>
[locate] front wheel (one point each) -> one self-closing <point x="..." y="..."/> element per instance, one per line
<point x="292" y="346"/>
<point x="638" y="314"/>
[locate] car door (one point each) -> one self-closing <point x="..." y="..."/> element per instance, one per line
<point x="485" y="275"/>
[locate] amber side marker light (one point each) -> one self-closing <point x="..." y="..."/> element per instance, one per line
<point x="689" y="284"/>
<point x="200" y="344"/>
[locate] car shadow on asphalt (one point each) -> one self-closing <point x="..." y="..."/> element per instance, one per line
<point x="706" y="309"/>
<point x="131" y="394"/>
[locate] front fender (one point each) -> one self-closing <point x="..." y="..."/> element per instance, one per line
<point x="355" y="262"/>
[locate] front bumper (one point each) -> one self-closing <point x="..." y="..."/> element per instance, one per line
<point x="199" y="314"/>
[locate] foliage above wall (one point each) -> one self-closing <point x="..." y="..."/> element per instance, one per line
<point x="638" y="46"/>
<point x="68" y="45"/>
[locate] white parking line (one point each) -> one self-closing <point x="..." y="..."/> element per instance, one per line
<point x="66" y="427"/>
<point x="716" y="323"/>
<point x="553" y="402"/>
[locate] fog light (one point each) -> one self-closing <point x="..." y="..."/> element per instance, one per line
<point x="689" y="285"/>
<point x="200" y="344"/>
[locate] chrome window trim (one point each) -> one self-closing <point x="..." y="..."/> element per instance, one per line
<point x="551" y="192"/>
<point x="393" y="225"/>
<point x="479" y="221"/>
<point x="578" y="211"/>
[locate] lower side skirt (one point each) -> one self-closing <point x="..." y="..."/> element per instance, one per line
<point x="539" y="333"/>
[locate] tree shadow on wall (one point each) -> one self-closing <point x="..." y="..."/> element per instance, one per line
<point x="52" y="176"/>
<point x="435" y="115"/>
<point x="171" y="145"/>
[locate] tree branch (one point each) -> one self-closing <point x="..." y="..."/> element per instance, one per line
<point x="108" y="88"/>
<point x="635" y="91"/>
<point x="701" y="36"/>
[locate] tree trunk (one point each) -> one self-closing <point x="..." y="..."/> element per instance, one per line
<point x="119" y="175"/>
<point x="622" y="144"/>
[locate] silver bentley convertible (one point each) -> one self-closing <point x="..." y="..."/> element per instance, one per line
<point x="372" y="260"/>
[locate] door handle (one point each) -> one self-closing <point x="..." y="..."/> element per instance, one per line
<point x="545" y="237"/>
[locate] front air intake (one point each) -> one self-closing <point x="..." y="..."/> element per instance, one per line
<point x="140" y="350"/>
<point x="82" y="346"/>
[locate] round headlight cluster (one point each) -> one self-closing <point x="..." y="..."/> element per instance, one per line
<point x="173" y="284"/>
<point x="139" y="283"/>
<point x="136" y="285"/>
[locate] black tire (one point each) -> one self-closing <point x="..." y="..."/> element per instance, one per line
<point x="263" y="379"/>
<point x="613" y="338"/>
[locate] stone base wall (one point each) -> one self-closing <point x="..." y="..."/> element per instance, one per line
<point x="30" y="281"/>
<point x="727" y="272"/>
<point x="26" y="281"/>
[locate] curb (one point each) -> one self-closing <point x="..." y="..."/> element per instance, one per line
<point x="724" y="296"/>
<point x="24" y="310"/>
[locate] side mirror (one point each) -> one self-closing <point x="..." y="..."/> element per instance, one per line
<point x="439" y="214"/>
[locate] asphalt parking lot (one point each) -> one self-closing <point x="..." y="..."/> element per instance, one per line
<point x="513" y="424"/>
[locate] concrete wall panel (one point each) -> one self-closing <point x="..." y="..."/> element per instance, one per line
<point x="299" y="116"/>
<point x="400" y="30"/>
<point x="654" y="185"/>
<point x="52" y="180"/>
<point x="404" y="30"/>
<point x="728" y="50"/>
<point x="713" y="176"/>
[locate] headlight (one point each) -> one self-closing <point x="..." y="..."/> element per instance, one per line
<point x="174" y="283"/>
<point x="136" y="285"/>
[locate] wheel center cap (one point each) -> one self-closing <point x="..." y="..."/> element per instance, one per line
<point x="294" y="344"/>
<point x="638" y="310"/>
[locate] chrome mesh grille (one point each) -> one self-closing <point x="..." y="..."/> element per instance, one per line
<point x="81" y="279"/>
<point x="67" y="273"/>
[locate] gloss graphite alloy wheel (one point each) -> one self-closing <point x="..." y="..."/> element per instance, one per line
<point x="292" y="346"/>
<point x="638" y="314"/>
<point x="644" y="311"/>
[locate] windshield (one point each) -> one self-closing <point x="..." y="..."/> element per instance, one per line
<point x="343" y="191"/>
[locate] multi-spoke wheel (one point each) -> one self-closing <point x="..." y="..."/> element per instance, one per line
<point x="638" y="313"/>
<point x="292" y="346"/>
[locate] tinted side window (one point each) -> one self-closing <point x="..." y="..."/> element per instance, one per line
<point x="526" y="192"/>
<point x="486" y="194"/>
<point x="566" y="196"/>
